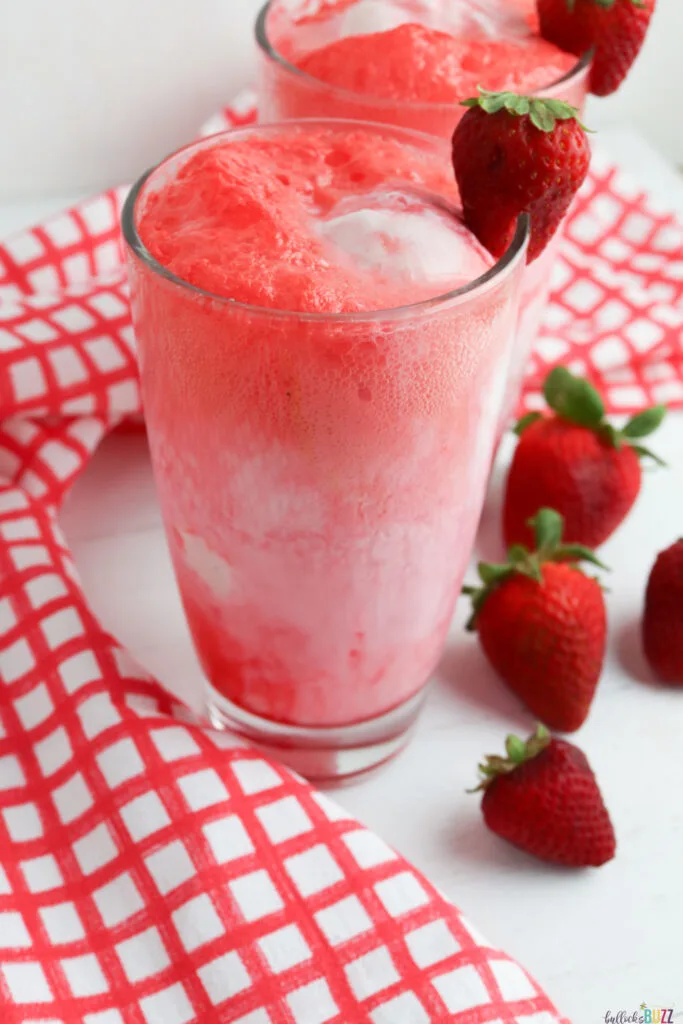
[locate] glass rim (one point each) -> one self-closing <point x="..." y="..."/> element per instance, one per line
<point x="381" y="102"/>
<point x="129" y="228"/>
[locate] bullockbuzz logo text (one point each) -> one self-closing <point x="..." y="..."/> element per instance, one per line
<point x="644" y="1015"/>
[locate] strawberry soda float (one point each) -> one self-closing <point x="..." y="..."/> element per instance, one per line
<point x="405" y="62"/>
<point x="323" y="350"/>
<point x="411" y="63"/>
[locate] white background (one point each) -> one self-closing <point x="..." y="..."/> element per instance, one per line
<point x="93" y="91"/>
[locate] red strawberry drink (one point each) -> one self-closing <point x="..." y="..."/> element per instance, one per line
<point x="405" y="62"/>
<point x="411" y="63"/>
<point x="323" y="348"/>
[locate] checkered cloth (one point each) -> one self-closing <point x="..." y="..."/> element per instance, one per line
<point x="151" y="872"/>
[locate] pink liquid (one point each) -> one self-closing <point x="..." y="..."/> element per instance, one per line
<point x="321" y="477"/>
<point x="405" y="62"/>
<point x="284" y="222"/>
<point x="466" y="45"/>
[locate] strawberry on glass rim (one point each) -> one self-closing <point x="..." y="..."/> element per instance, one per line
<point x="544" y="798"/>
<point x="613" y="29"/>
<point x="517" y="154"/>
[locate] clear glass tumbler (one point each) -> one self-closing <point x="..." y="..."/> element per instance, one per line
<point x="321" y="478"/>
<point x="286" y="92"/>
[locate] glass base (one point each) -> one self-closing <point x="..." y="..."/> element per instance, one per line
<point x="328" y="754"/>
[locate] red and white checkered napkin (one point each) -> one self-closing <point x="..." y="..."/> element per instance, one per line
<point x="149" y="872"/>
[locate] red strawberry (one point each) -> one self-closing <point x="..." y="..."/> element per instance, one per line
<point x="614" y="29"/>
<point x="576" y="462"/>
<point x="543" y="798"/>
<point x="542" y="625"/>
<point x="663" y="619"/>
<point x="518" y="154"/>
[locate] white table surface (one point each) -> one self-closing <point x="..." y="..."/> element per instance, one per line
<point x="599" y="940"/>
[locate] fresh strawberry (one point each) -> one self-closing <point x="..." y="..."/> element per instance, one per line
<point x="663" y="619"/>
<point x="576" y="462"/>
<point x="518" y="154"/>
<point x="613" y="29"/>
<point x="543" y="798"/>
<point x="542" y="624"/>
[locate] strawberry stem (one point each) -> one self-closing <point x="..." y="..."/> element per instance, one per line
<point x="547" y="525"/>
<point x="578" y="553"/>
<point x="576" y="400"/>
<point x="526" y="421"/>
<point x="544" y="113"/>
<point x="515" y="748"/>
<point x="518" y="752"/>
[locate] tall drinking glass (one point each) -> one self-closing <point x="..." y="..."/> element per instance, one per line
<point x="321" y="478"/>
<point x="286" y="92"/>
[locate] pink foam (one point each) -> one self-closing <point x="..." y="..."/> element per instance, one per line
<point x="267" y="221"/>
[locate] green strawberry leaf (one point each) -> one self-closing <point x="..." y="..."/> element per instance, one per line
<point x="526" y="421"/>
<point x="547" y="525"/>
<point x="531" y="569"/>
<point x="578" y="553"/>
<point x="518" y="752"/>
<point x="518" y="104"/>
<point x="541" y="117"/>
<point x="492" y="102"/>
<point x="490" y="574"/>
<point x="645" y="453"/>
<point x="543" y="113"/>
<point x="525" y="562"/>
<point x="606" y="4"/>
<point x="478" y="595"/>
<point x="559" y="109"/>
<point x="645" y="422"/>
<point x="573" y="398"/>
<point x="538" y="742"/>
